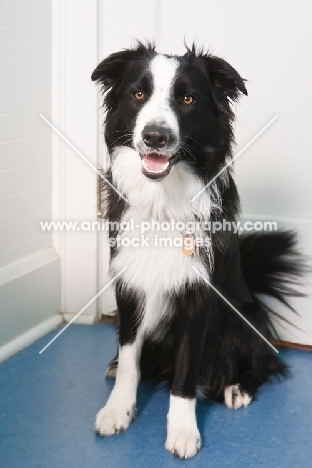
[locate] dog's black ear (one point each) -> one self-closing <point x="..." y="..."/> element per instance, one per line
<point x="224" y="78"/>
<point x="113" y="69"/>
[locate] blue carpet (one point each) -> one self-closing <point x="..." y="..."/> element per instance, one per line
<point x="48" y="403"/>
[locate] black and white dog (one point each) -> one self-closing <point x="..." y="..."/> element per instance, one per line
<point x="169" y="133"/>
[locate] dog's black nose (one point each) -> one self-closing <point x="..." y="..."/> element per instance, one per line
<point x="155" y="137"/>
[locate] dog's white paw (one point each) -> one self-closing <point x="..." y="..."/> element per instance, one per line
<point x="235" y="398"/>
<point x="112" y="419"/>
<point x="183" y="443"/>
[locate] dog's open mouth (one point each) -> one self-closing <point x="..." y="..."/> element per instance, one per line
<point x="156" y="166"/>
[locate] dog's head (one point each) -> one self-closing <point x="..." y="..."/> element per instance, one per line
<point x="169" y="108"/>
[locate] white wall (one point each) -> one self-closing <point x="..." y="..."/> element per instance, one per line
<point x="269" y="43"/>
<point x="25" y="168"/>
<point x="25" y="142"/>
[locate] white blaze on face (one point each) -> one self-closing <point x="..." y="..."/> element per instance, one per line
<point x="157" y="109"/>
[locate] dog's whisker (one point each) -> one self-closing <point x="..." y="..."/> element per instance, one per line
<point x="119" y="131"/>
<point x="188" y="146"/>
<point x="188" y="151"/>
<point x="191" y="138"/>
<point x="122" y="136"/>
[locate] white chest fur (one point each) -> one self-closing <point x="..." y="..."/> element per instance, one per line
<point x="153" y="269"/>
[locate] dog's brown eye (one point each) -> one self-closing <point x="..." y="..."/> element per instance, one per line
<point x="188" y="100"/>
<point x="139" y="95"/>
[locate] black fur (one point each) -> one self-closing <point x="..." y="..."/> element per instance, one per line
<point x="202" y="343"/>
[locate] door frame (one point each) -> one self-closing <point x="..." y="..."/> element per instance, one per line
<point x="74" y="189"/>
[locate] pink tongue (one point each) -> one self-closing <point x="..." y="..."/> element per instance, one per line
<point x="155" y="162"/>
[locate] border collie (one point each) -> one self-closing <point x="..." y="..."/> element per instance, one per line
<point x="168" y="129"/>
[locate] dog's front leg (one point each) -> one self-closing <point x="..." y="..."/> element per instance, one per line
<point x="120" y="409"/>
<point x="192" y="314"/>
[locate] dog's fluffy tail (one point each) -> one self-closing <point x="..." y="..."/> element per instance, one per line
<point x="272" y="266"/>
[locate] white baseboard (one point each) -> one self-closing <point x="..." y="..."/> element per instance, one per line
<point x="29" y="293"/>
<point x="109" y="311"/>
<point x="29" y="337"/>
<point x="83" y="319"/>
<point x="26" y="265"/>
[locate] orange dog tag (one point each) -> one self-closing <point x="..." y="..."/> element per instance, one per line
<point x="188" y="245"/>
